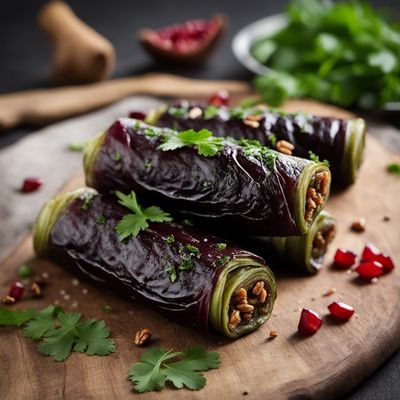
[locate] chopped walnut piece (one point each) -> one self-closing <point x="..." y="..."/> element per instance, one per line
<point x="240" y="295"/>
<point x="257" y="117"/>
<point x="234" y="319"/>
<point x="359" y="225"/>
<point x="142" y="336"/>
<point x="329" y="292"/>
<point x="263" y="296"/>
<point x="245" y="308"/>
<point x="195" y="112"/>
<point x="273" y="334"/>
<point x="321" y="178"/>
<point x="247" y="316"/>
<point x="284" y="147"/>
<point x="258" y="287"/>
<point x="35" y="289"/>
<point x="253" y="124"/>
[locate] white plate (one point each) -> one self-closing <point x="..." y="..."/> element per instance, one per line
<point x="244" y="39"/>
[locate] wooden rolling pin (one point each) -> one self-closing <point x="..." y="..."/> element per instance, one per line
<point x="41" y="106"/>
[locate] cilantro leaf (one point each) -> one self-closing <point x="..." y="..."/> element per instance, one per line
<point x="16" y="318"/>
<point x="94" y="338"/>
<point x="153" y="370"/>
<point x="132" y="224"/>
<point x="43" y="322"/>
<point x="206" y="143"/>
<point x="394" y="168"/>
<point x="58" y="342"/>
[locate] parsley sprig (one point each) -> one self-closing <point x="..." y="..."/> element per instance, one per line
<point x="204" y="141"/>
<point x="157" y="366"/>
<point x="61" y="332"/>
<point x="132" y="224"/>
<point x="315" y="158"/>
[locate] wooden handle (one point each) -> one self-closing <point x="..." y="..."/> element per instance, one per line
<point x="81" y="55"/>
<point x="42" y="106"/>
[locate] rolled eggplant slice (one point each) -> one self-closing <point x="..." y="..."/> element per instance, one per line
<point x="304" y="253"/>
<point x="188" y="276"/>
<point x="339" y="141"/>
<point x="248" y="187"/>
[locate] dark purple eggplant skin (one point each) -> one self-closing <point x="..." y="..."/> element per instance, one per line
<point x="324" y="136"/>
<point x="136" y="268"/>
<point x="230" y="191"/>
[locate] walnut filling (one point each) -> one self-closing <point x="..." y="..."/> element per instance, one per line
<point x="322" y="240"/>
<point x="247" y="304"/>
<point x="315" y="194"/>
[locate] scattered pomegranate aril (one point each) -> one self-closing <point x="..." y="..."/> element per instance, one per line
<point x="31" y="184"/>
<point x="137" y="115"/>
<point x="186" y="43"/>
<point x="370" y="269"/>
<point x="372" y="253"/>
<point x="345" y="258"/>
<point x="16" y="290"/>
<point x="341" y="310"/>
<point x="310" y="322"/>
<point x="220" y="98"/>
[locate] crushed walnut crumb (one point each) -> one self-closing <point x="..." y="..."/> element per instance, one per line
<point x="359" y="225"/>
<point x="329" y="292"/>
<point x="273" y="334"/>
<point x="8" y="300"/>
<point x="195" y="112"/>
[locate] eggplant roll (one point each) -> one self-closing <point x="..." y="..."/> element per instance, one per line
<point x="188" y="276"/>
<point x="247" y="188"/>
<point x="304" y="253"/>
<point x="339" y="141"/>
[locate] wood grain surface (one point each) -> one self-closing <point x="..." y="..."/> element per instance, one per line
<point x="322" y="366"/>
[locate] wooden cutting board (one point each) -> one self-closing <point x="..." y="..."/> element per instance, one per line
<point x="322" y="366"/>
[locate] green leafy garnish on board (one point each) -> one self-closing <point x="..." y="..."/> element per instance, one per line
<point x="221" y="246"/>
<point x="172" y="273"/>
<point x="132" y="224"/>
<point x="77" y="146"/>
<point x="394" y="168"/>
<point x="61" y="333"/>
<point x="210" y="112"/>
<point x="204" y="141"/>
<point x="159" y="366"/>
<point x="345" y="53"/>
<point x="315" y="158"/>
<point x="25" y="271"/>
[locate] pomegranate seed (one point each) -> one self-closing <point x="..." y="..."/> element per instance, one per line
<point x="341" y="310"/>
<point x="345" y="258"/>
<point x="310" y="322"/>
<point x="220" y="98"/>
<point x="31" y="184"/>
<point x="372" y="253"/>
<point x="16" y="290"/>
<point x="370" y="269"/>
<point x="137" y="115"/>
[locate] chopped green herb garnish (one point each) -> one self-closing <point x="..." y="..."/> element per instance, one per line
<point x="206" y="144"/>
<point x="87" y="199"/>
<point x="117" y="156"/>
<point x="253" y="148"/>
<point x="132" y="224"/>
<point x="147" y="165"/>
<point x="25" y="271"/>
<point x="61" y="332"/>
<point x="272" y="139"/>
<point x="192" y="249"/>
<point x="237" y="112"/>
<point x="172" y="273"/>
<point x="394" y="168"/>
<point x="211" y="112"/>
<point x="177" y="111"/>
<point x="188" y="222"/>
<point x="185" y="264"/>
<point x="137" y="125"/>
<point x="101" y="219"/>
<point x="182" y="369"/>
<point x="221" y="246"/>
<point x="170" y="239"/>
<point x="315" y="158"/>
<point x="150" y="132"/>
<point x="78" y="147"/>
<point x="223" y="260"/>
<point x="107" y="309"/>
